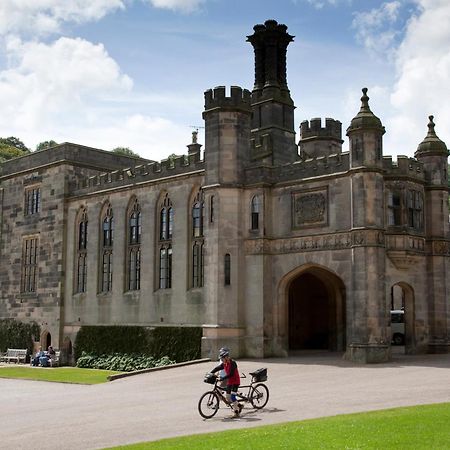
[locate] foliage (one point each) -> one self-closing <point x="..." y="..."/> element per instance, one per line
<point x="8" y="152"/>
<point x="125" y="151"/>
<point x="16" y="143"/>
<point x="12" y="147"/>
<point x="15" y="334"/>
<point x="419" y="427"/>
<point x="45" y="144"/>
<point x="57" y="374"/>
<point x="177" y="343"/>
<point x="121" y="362"/>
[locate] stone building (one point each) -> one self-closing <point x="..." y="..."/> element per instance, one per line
<point x="268" y="245"/>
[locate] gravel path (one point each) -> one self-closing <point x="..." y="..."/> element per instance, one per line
<point x="39" y="415"/>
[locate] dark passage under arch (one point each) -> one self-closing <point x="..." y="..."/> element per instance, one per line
<point x="316" y="313"/>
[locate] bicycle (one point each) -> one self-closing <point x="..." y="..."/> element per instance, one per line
<point x="257" y="394"/>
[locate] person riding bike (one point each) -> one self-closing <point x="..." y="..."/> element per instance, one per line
<point x="231" y="377"/>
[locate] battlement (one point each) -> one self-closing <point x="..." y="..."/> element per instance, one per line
<point x="238" y="99"/>
<point x="313" y="129"/>
<point x="179" y="165"/>
<point x="404" y="166"/>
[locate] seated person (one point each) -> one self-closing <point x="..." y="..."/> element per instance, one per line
<point x="44" y="360"/>
<point x="37" y="356"/>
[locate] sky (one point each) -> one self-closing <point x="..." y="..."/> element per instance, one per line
<point x="132" y="73"/>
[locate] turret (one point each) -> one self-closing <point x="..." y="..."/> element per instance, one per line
<point x="316" y="140"/>
<point x="273" y="135"/>
<point x="434" y="154"/>
<point x="366" y="137"/>
<point x="227" y="134"/>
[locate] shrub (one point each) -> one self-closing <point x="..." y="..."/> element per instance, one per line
<point x="15" y="334"/>
<point x="177" y="343"/>
<point x="121" y="362"/>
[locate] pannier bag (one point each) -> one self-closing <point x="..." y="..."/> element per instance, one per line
<point x="210" y="378"/>
<point x="259" y="375"/>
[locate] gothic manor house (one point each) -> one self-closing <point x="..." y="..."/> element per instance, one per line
<point x="269" y="245"/>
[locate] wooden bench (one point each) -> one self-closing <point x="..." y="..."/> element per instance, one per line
<point x="15" y="354"/>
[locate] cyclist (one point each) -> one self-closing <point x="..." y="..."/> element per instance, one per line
<point x="232" y="378"/>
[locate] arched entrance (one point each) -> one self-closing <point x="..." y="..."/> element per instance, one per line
<point x="402" y="318"/>
<point x="316" y="311"/>
<point x="46" y="340"/>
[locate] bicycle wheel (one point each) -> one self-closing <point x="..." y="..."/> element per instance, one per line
<point x="259" y="396"/>
<point x="208" y="405"/>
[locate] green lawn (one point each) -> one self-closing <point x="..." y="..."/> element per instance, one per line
<point x="414" y="428"/>
<point x="57" y="374"/>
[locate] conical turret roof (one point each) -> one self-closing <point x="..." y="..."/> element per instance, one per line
<point x="365" y="118"/>
<point x="431" y="145"/>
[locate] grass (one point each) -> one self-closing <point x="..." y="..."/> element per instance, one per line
<point x="421" y="427"/>
<point x="57" y="374"/>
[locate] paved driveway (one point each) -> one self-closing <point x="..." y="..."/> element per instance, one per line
<point x="38" y="415"/>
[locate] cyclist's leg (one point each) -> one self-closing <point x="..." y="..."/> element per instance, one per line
<point x="228" y="394"/>
<point x="234" y="403"/>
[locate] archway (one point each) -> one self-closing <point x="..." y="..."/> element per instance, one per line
<point x="402" y="318"/>
<point x="315" y="310"/>
<point x="46" y="340"/>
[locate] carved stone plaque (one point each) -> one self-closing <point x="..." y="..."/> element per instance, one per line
<point x="309" y="208"/>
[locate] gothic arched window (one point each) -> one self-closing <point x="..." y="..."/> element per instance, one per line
<point x="166" y="217"/>
<point x="255" y="212"/>
<point x="197" y="241"/>
<point x="81" y="253"/>
<point x="133" y="262"/>
<point x="106" y="252"/>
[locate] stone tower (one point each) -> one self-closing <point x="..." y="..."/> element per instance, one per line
<point x="227" y="140"/>
<point x="273" y="135"/>
<point x="433" y="153"/>
<point x="370" y="342"/>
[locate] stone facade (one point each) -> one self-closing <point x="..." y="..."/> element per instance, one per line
<point x="270" y="246"/>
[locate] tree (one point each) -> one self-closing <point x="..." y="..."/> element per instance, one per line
<point x="15" y="142"/>
<point x="45" y="144"/>
<point x="125" y="151"/>
<point x="8" y="152"/>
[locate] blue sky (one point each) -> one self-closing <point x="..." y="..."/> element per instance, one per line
<point x="132" y="73"/>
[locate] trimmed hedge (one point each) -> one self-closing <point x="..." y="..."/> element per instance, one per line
<point x="15" y="334"/>
<point x="177" y="343"/>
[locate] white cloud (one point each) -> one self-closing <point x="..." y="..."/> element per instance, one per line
<point x="35" y="17"/>
<point x="319" y="4"/>
<point x="152" y="137"/>
<point x="47" y="82"/>
<point x="180" y="5"/>
<point x="375" y="28"/>
<point x="423" y="76"/>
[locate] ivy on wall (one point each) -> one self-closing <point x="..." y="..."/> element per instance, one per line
<point x="15" y="334"/>
<point x="177" y="343"/>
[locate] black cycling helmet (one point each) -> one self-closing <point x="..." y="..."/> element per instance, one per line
<point x="224" y="351"/>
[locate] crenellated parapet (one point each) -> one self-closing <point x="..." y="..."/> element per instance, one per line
<point x="239" y="99"/>
<point x="304" y="169"/>
<point x="152" y="171"/>
<point x="313" y="129"/>
<point x="317" y="140"/>
<point x="404" y="166"/>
